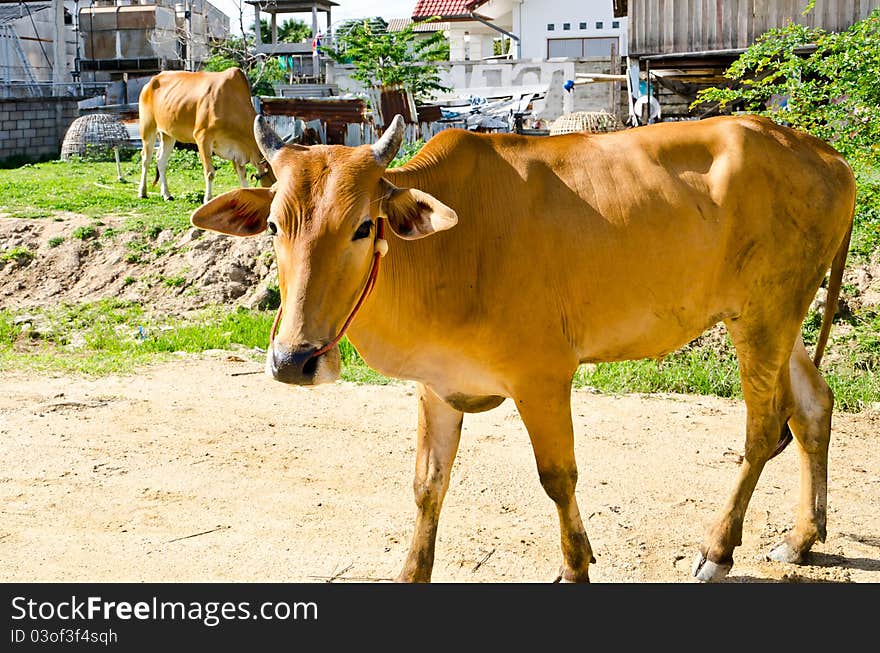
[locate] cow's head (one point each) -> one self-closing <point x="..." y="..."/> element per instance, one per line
<point x="322" y="214"/>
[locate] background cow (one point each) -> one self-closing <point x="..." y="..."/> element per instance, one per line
<point x="511" y="260"/>
<point x="212" y="110"/>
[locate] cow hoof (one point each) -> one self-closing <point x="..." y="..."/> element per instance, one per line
<point x="564" y="576"/>
<point x="169" y="198"/>
<point x="784" y="552"/>
<point x="708" y="571"/>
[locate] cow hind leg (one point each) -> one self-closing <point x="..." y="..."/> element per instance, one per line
<point x="811" y="425"/>
<point x="166" y="147"/>
<point x="763" y="359"/>
<point x="438" y="437"/>
<point x="547" y="417"/>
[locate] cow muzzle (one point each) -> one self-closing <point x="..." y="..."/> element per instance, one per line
<point x="299" y="366"/>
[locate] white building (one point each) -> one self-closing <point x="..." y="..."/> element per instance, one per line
<point x="537" y="29"/>
<point x="568" y="28"/>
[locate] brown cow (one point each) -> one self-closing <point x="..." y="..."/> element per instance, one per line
<point x="212" y="110"/>
<point x="514" y="259"/>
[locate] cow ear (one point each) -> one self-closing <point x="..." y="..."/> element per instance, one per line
<point x="415" y="214"/>
<point x="240" y="212"/>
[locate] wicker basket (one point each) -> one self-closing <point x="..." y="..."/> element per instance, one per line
<point x="586" y="121"/>
<point x="94" y="136"/>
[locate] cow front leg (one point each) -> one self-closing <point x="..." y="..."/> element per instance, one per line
<point x="546" y="413"/>
<point x="148" y="140"/>
<point x="241" y="171"/>
<point x="438" y="437"/>
<point x="166" y="147"/>
<point x="206" y="152"/>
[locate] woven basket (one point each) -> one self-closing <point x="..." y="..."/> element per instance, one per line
<point x="586" y="121"/>
<point x="93" y="136"/>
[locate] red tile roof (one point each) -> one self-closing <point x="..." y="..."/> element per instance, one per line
<point x="445" y="8"/>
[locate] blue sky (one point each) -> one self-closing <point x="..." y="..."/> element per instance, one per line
<point x="346" y="9"/>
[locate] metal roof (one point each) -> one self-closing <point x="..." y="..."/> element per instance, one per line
<point x="10" y="13"/>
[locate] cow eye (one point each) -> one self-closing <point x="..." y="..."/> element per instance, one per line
<point x="364" y="230"/>
<point x="272" y="227"/>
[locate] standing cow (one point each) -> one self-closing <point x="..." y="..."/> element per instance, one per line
<point x="511" y="260"/>
<point x="212" y="110"/>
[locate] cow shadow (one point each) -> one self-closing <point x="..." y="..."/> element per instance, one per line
<point x="818" y="560"/>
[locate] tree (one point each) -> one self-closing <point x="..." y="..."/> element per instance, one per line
<point x="822" y="82"/>
<point x="261" y="71"/>
<point x="290" y="31"/>
<point x="383" y="58"/>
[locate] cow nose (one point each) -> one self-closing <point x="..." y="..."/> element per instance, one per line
<point x="294" y="365"/>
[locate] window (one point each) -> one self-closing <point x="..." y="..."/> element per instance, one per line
<point x="615" y="24"/>
<point x="583" y="26"/>
<point x="599" y="24"/>
<point x="566" y="26"/>
<point x="550" y="27"/>
<point x="580" y="48"/>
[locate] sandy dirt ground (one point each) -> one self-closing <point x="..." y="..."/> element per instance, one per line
<point x="187" y="472"/>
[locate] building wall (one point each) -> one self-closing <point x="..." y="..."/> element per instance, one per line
<point x="31" y="40"/>
<point x="470" y="41"/>
<point x="33" y="128"/>
<point x="664" y="26"/>
<point x="531" y="19"/>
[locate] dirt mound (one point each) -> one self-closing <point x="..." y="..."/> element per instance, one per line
<point x="178" y="272"/>
<point x="73" y="259"/>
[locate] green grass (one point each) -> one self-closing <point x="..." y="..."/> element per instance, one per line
<point x="17" y="253"/>
<point x="85" y="232"/>
<point x="707" y="369"/>
<point x="40" y="190"/>
<point x="55" y="241"/>
<point x="691" y="371"/>
<point x="174" y="282"/>
<point x="113" y="336"/>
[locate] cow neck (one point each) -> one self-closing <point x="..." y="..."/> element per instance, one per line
<point x="378" y="253"/>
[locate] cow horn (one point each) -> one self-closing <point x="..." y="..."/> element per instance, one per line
<point x="385" y="149"/>
<point x="267" y="140"/>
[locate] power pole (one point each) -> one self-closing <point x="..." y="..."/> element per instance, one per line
<point x="187" y="17"/>
<point x="59" y="63"/>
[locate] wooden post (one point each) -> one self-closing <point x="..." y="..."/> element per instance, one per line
<point x="615" y="86"/>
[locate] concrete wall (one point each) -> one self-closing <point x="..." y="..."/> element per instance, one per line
<point x="499" y="77"/>
<point x="34" y="128"/>
<point x="532" y="17"/>
<point x="34" y="43"/>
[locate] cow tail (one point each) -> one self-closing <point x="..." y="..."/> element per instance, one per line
<point x="835" y="281"/>
<point x="156" y="178"/>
